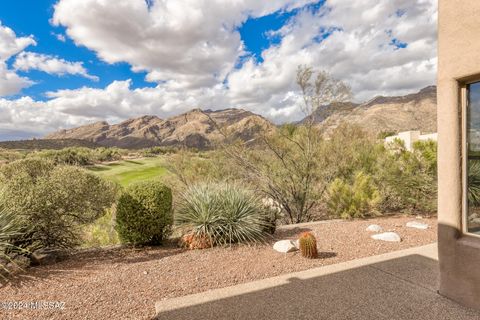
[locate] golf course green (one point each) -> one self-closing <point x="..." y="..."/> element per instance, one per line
<point x="127" y="172"/>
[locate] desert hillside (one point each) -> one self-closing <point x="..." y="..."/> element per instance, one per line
<point x="416" y="111"/>
<point x="193" y="129"/>
<point x="204" y="129"/>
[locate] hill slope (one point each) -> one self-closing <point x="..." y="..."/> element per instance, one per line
<point x="416" y="111"/>
<point x="40" y="144"/>
<point x="194" y="129"/>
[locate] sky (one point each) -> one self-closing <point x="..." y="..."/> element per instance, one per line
<point x="65" y="63"/>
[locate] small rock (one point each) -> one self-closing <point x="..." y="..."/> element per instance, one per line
<point x="296" y="243"/>
<point x="145" y="272"/>
<point x="417" y="225"/>
<point x="374" y="228"/>
<point x="284" y="246"/>
<point x="387" y="236"/>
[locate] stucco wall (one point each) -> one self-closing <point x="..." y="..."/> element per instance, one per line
<point x="458" y="61"/>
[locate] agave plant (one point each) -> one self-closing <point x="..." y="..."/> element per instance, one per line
<point x="223" y="213"/>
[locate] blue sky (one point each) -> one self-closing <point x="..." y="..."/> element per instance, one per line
<point x="31" y="17"/>
<point x="113" y="60"/>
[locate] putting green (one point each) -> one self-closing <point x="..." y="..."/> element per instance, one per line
<point x="127" y="172"/>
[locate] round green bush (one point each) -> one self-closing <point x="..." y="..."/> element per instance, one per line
<point x="144" y="213"/>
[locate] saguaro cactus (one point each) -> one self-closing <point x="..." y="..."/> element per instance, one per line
<point x="308" y="245"/>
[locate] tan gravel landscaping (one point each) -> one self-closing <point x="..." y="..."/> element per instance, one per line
<point x="125" y="283"/>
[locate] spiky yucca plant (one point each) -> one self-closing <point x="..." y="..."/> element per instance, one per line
<point x="223" y="213"/>
<point x="474" y="183"/>
<point x="308" y="245"/>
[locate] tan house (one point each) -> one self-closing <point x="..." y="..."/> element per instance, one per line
<point x="409" y="138"/>
<point x="459" y="150"/>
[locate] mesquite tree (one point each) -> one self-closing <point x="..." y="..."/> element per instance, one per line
<point x="288" y="165"/>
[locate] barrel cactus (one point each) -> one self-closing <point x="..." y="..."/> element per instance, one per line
<point x="308" y="245"/>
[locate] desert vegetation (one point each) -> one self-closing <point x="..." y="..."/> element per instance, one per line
<point x="237" y="192"/>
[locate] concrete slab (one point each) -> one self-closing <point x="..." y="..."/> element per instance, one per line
<point x="397" y="285"/>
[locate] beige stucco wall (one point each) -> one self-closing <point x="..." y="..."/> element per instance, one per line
<point x="458" y="61"/>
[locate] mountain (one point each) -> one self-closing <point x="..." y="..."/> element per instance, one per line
<point x="417" y="111"/>
<point x="193" y="129"/>
<point x="204" y="129"/>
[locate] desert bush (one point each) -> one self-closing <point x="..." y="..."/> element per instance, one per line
<point x="74" y="156"/>
<point x="156" y="151"/>
<point x="53" y="202"/>
<point x="101" y="232"/>
<point x="408" y="179"/>
<point x="144" y="213"/>
<point x="10" y="227"/>
<point x="106" y="154"/>
<point x="348" y="150"/>
<point x="353" y="200"/>
<point x="192" y="167"/>
<point x="10" y="155"/>
<point x="288" y="163"/>
<point x="222" y="213"/>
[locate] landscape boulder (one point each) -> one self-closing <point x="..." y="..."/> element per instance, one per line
<point x="374" y="228"/>
<point x="417" y="225"/>
<point x="285" y="246"/>
<point x="387" y="236"/>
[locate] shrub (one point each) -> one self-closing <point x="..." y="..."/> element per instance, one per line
<point x="75" y="156"/>
<point x="101" y="232"/>
<point x="106" y="154"/>
<point x="408" y="179"/>
<point x="223" y="213"/>
<point x="355" y="200"/>
<point x="144" y="213"/>
<point x="156" y="151"/>
<point x="53" y="202"/>
<point x="308" y="245"/>
<point x="10" y="227"/>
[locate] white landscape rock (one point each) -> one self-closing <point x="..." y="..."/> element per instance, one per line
<point x="284" y="246"/>
<point x="417" y="225"/>
<point x="374" y="228"/>
<point x="387" y="236"/>
<point x="296" y="243"/>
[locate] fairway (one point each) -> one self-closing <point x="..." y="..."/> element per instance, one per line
<point x="130" y="171"/>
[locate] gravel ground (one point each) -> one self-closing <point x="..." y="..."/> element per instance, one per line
<point x="125" y="283"/>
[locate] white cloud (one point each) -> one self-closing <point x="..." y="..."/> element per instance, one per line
<point x="59" y="36"/>
<point x="190" y="48"/>
<point x="10" y="45"/>
<point x="27" y="61"/>
<point x="189" y="43"/>
<point x="358" y="51"/>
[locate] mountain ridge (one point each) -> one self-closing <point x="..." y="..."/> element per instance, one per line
<point x="203" y="129"/>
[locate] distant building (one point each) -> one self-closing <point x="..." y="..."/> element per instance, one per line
<point x="410" y="137"/>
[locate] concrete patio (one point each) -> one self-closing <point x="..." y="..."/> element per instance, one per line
<point x="396" y="285"/>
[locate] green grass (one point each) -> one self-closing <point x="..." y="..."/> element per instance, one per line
<point x="130" y="171"/>
<point x="126" y="172"/>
